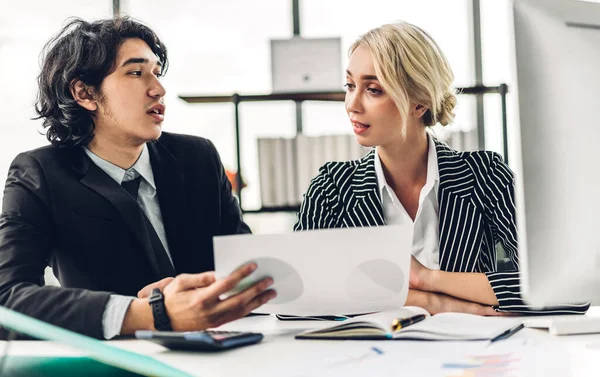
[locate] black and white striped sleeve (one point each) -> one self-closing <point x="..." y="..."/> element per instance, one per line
<point x="318" y="209"/>
<point x="502" y="209"/>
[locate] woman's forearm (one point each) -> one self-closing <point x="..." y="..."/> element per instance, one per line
<point x="418" y="298"/>
<point x="468" y="286"/>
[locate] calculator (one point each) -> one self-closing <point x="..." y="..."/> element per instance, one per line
<point x="209" y="340"/>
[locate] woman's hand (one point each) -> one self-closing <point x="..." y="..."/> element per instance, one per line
<point x="471" y="287"/>
<point x="419" y="275"/>
<point x="440" y="303"/>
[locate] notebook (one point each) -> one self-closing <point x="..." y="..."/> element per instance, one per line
<point x="443" y="326"/>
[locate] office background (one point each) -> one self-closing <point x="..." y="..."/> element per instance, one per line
<point x="224" y="47"/>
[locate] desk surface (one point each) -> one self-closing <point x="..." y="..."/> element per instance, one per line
<point x="530" y="352"/>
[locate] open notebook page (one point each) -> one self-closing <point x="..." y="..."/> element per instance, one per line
<point x="456" y="326"/>
<point x="383" y="320"/>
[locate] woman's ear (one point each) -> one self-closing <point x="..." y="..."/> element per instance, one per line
<point x="418" y="110"/>
<point x="83" y="95"/>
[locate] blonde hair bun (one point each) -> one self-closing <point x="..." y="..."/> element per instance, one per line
<point x="446" y="114"/>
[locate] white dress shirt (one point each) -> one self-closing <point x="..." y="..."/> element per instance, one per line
<point x="117" y="305"/>
<point x="426" y="224"/>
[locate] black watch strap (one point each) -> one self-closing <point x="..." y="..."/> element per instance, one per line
<point x="159" y="311"/>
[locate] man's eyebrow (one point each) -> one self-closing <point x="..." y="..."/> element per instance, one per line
<point x="364" y="77"/>
<point x="138" y="61"/>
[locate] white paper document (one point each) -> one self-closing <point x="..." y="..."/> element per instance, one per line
<point x="327" y="271"/>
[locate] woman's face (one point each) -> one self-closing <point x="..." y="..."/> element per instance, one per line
<point x="374" y="115"/>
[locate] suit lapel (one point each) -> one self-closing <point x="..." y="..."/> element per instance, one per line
<point x="171" y="196"/>
<point x="460" y="218"/>
<point x="97" y="180"/>
<point x="364" y="204"/>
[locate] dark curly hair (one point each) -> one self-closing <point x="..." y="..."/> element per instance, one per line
<point x="85" y="51"/>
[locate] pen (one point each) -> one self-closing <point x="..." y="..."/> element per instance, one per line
<point x="283" y="317"/>
<point x="507" y="333"/>
<point x="400" y="323"/>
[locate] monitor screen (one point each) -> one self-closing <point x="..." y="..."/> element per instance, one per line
<point x="557" y="50"/>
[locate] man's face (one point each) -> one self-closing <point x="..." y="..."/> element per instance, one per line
<point x="131" y="108"/>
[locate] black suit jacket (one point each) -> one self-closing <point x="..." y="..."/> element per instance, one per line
<point x="63" y="211"/>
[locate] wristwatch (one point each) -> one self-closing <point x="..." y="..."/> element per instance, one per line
<point x="159" y="311"/>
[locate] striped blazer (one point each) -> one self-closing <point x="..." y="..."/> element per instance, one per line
<point x="476" y="212"/>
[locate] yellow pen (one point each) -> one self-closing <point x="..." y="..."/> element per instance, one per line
<point x="400" y="323"/>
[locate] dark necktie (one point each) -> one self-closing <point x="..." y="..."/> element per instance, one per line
<point x="132" y="186"/>
<point x="164" y="263"/>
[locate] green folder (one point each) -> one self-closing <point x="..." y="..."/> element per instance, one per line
<point x="97" y="350"/>
<point x="60" y="366"/>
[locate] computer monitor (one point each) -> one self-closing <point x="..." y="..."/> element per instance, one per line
<point x="557" y="47"/>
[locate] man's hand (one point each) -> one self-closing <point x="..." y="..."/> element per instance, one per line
<point x="192" y="301"/>
<point x="440" y="303"/>
<point x="161" y="284"/>
<point x="419" y="275"/>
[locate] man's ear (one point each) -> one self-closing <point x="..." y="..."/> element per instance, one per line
<point x="418" y="110"/>
<point x="83" y="95"/>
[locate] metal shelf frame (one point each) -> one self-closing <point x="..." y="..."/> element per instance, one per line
<point x="236" y="99"/>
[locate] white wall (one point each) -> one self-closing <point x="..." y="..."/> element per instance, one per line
<point x="498" y="67"/>
<point x="25" y="26"/>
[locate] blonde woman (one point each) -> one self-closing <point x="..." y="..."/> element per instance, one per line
<point x="460" y="204"/>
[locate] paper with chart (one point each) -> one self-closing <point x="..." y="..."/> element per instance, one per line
<point x="328" y="271"/>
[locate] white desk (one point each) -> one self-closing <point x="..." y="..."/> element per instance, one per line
<point x="279" y="354"/>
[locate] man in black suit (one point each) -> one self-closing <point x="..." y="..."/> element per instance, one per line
<point x="116" y="208"/>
